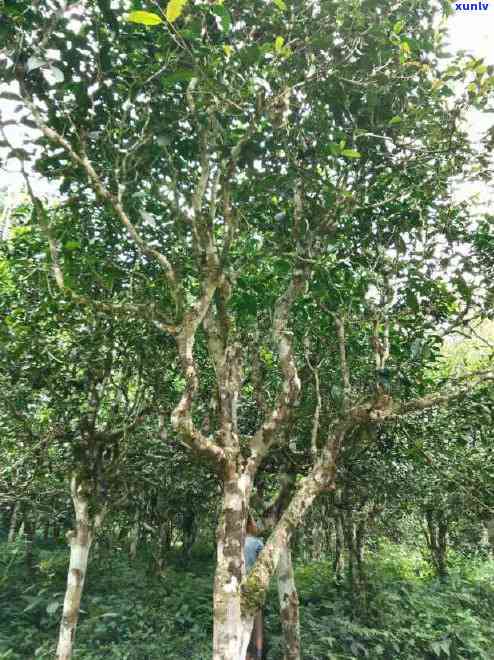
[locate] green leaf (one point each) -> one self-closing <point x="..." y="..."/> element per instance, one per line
<point x="441" y="646"/>
<point x="351" y="153"/>
<point x="193" y="30"/>
<point x="182" y="75"/>
<point x="334" y="149"/>
<point x="224" y="15"/>
<point x="398" y="27"/>
<point x="72" y="245"/>
<point x="280" y="4"/>
<point x="395" y="120"/>
<point x="144" y="18"/>
<point x="250" y="54"/>
<point x="10" y="96"/>
<point x="278" y="45"/>
<point x="174" y="9"/>
<point x="52" y="607"/>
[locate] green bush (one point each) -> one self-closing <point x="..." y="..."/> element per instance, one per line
<point x="129" y="614"/>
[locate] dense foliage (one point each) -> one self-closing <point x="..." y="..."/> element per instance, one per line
<point x="410" y="614"/>
<point x="248" y="286"/>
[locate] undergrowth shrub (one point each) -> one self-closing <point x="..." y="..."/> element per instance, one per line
<point x="130" y="614"/>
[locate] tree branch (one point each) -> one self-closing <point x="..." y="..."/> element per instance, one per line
<point x="105" y="194"/>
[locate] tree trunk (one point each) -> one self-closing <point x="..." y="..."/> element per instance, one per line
<point x="232" y="628"/>
<point x="237" y="599"/>
<point x="442" y="550"/>
<point x="360" y="538"/>
<point x="350" y="542"/>
<point x="318" y="541"/>
<point x="289" y="609"/>
<point x="162" y="546"/>
<point x="13" y="523"/>
<point x="490" y="534"/>
<point x="287" y="590"/>
<point x="189" y="533"/>
<point x="80" y="543"/>
<point x="437" y="540"/>
<point x="29" y="533"/>
<point x="339" y="542"/>
<point x="134" y="537"/>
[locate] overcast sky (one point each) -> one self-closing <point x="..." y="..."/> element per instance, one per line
<point x="473" y="31"/>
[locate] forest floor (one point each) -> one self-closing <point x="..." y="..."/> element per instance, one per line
<point x="130" y="614"/>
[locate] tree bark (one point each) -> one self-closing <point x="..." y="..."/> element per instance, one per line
<point x="189" y="533"/>
<point x="289" y="605"/>
<point x="13" y="523"/>
<point x="339" y="543"/>
<point x="360" y="537"/>
<point x="490" y="534"/>
<point x="56" y="531"/>
<point x="134" y="537"/>
<point x="80" y="542"/>
<point x="287" y="590"/>
<point x="232" y="627"/>
<point x="29" y="533"/>
<point x="162" y="546"/>
<point x="437" y="540"/>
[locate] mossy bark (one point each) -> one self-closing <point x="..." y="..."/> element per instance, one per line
<point x="437" y="540"/>
<point x="232" y="625"/>
<point x="289" y="606"/>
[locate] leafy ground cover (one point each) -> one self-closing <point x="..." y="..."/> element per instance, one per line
<point x="130" y="614"/>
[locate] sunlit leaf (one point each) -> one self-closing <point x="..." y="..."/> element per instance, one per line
<point x="398" y="27"/>
<point x="144" y="18"/>
<point x="174" y="9"/>
<point x="280" y="4"/>
<point x="351" y="153"/>
<point x="34" y="62"/>
<point x="278" y="44"/>
<point x="72" y="245"/>
<point x="54" y="75"/>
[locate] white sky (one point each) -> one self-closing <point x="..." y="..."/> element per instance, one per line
<point x="472" y="31"/>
